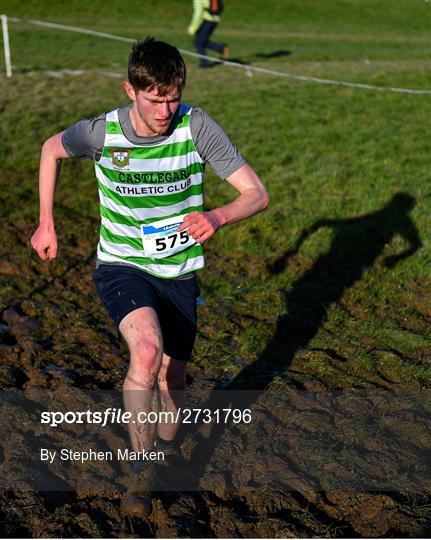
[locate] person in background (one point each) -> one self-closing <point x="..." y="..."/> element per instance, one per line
<point x="206" y="16"/>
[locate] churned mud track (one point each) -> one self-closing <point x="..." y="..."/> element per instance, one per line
<point x="313" y="462"/>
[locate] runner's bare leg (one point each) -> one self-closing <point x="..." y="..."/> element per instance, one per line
<point x="171" y="382"/>
<point x="142" y="333"/>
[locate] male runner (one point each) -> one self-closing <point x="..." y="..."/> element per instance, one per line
<point x="149" y="160"/>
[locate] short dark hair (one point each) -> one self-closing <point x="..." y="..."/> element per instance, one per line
<point x="156" y="64"/>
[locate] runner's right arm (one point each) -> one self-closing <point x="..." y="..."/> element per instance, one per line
<point x="44" y="240"/>
<point x="83" y="140"/>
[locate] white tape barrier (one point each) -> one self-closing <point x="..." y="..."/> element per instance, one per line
<point x="248" y="68"/>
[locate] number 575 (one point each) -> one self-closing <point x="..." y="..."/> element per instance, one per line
<point x="163" y="243"/>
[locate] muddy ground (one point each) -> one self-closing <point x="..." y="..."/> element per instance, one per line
<point x="314" y="461"/>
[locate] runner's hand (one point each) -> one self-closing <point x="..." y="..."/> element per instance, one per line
<point x="44" y="241"/>
<point x="200" y="225"/>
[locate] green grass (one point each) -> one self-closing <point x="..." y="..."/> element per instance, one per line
<point x="324" y="153"/>
<point x="312" y="31"/>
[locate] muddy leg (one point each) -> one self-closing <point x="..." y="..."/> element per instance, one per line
<point x="141" y="331"/>
<point x="171" y="383"/>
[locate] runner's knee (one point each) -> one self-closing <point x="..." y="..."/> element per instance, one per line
<point x="145" y="357"/>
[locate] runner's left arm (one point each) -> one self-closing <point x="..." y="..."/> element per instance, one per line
<point x="216" y="149"/>
<point x="252" y="199"/>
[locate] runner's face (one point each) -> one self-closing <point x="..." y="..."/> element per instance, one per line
<point x="153" y="113"/>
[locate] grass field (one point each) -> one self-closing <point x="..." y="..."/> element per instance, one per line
<point x="340" y="261"/>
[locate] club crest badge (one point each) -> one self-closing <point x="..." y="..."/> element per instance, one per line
<point x="120" y="157"/>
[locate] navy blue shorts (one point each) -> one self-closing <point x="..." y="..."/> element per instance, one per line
<point x="123" y="289"/>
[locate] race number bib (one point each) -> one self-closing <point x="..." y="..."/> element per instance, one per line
<point x="162" y="238"/>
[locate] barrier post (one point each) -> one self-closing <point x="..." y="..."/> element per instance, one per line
<point x="6" y="45"/>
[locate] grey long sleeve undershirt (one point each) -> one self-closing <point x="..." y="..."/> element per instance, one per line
<point x="86" y="139"/>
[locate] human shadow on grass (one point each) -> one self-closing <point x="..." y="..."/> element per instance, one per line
<point x="261" y="56"/>
<point x="218" y="63"/>
<point x="274" y="54"/>
<point x="356" y="244"/>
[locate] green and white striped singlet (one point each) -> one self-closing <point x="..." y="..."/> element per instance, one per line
<point x="141" y="185"/>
